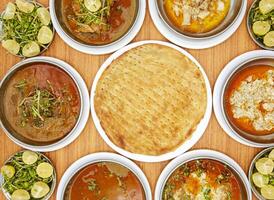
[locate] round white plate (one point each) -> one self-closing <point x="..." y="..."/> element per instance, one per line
<point x="218" y="89"/>
<point x="100" y="50"/>
<point x="188" y="42"/>
<point x="199" y="154"/>
<point x="197" y="134"/>
<point x="102" y="157"/>
<point x="84" y="112"/>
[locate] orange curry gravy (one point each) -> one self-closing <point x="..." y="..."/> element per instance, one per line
<point x="257" y="72"/>
<point x="41" y="103"/>
<point x="205" y="178"/>
<point x="105" y="181"/>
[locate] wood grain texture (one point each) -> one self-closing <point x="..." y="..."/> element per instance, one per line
<point x="213" y="60"/>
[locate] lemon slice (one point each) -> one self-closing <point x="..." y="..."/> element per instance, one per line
<point x="260" y="180"/>
<point x="8" y="171"/>
<point x="271" y="154"/>
<point x="10" y="11"/>
<point x="261" y="27"/>
<point x="39" y="190"/>
<point x="266" y="6"/>
<point x="268" y="192"/>
<point x="31" y="49"/>
<point x="264" y="166"/>
<point x="93" y="5"/>
<point x="45" y="35"/>
<point x="269" y="39"/>
<point x="29" y="157"/>
<point x="11" y="46"/>
<point x="43" y="15"/>
<point x="24" y="6"/>
<point x="20" y="195"/>
<point x="44" y="170"/>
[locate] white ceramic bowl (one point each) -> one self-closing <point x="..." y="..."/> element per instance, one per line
<point x="190" y="42"/>
<point x="84" y="111"/>
<point x="196" y="135"/>
<point x="100" y="49"/>
<point x="201" y="154"/>
<point x="231" y="67"/>
<point x="102" y="157"/>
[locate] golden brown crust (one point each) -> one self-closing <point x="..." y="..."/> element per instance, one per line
<point x="150" y="100"/>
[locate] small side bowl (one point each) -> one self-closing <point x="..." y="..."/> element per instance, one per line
<point x="251" y="169"/>
<point x="203" y="154"/>
<point x="102" y="157"/>
<point x="54" y="180"/>
<point x="84" y="108"/>
<point x="249" y="28"/>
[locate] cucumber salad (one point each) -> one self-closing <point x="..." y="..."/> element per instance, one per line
<point x="263" y="175"/>
<point x="25" y="28"/>
<point x="261" y="19"/>
<point x="27" y="175"/>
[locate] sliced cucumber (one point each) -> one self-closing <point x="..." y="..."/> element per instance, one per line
<point x="266" y="6"/>
<point x="39" y="190"/>
<point x="25" y="6"/>
<point x="20" y="194"/>
<point x="10" y="11"/>
<point x="31" y="49"/>
<point x="268" y="192"/>
<point x="93" y="5"/>
<point x="261" y="28"/>
<point x="8" y="171"/>
<point x="11" y="46"/>
<point x="44" y="170"/>
<point x="45" y="35"/>
<point x="264" y="166"/>
<point x="43" y="15"/>
<point x="260" y="180"/>
<point x="271" y="154"/>
<point x="269" y="39"/>
<point x="29" y="157"/>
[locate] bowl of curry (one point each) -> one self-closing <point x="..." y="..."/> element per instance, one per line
<point x="104" y="176"/>
<point x="203" y="174"/>
<point x="199" y="18"/>
<point x="42" y="102"/>
<point x="248" y="101"/>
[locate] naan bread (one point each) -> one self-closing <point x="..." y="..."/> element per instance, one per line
<point x="150" y="100"/>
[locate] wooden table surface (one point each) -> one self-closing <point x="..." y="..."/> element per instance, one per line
<point x="213" y="60"/>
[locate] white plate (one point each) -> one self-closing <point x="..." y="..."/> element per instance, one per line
<point x="218" y="90"/>
<point x="199" y="154"/>
<point x="105" y="49"/>
<point x="188" y="42"/>
<point x="84" y="112"/>
<point x="102" y="157"/>
<point x="197" y="134"/>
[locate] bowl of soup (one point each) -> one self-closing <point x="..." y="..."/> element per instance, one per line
<point x="248" y="101"/>
<point x="104" y="176"/>
<point x="97" y="26"/>
<point x="203" y="174"/>
<point x="199" y="19"/>
<point x="43" y="103"/>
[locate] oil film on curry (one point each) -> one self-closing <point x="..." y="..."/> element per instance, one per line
<point x="150" y="101"/>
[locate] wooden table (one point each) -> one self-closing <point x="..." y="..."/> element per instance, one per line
<point x="213" y="60"/>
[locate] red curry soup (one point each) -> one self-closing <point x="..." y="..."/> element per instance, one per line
<point x="105" y="181"/>
<point x="41" y="103"/>
<point x="99" y="21"/>
<point x="249" y="100"/>
<point x="202" y="179"/>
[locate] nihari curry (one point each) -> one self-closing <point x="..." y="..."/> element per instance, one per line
<point x="41" y="102"/>
<point x="196" y="16"/>
<point x="99" y="21"/>
<point x="105" y="181"/>
<point x="202" y="179"/>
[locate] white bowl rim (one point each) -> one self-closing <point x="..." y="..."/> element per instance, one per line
<point x="196" y="135"/>
<point x="218" y="89"/>
<point x="101" y="157"/>
<point x="105" y="49"/>
<point x="84" y="113"/>
<point x="193" y="155"/>
<point x="193" y="43"/>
